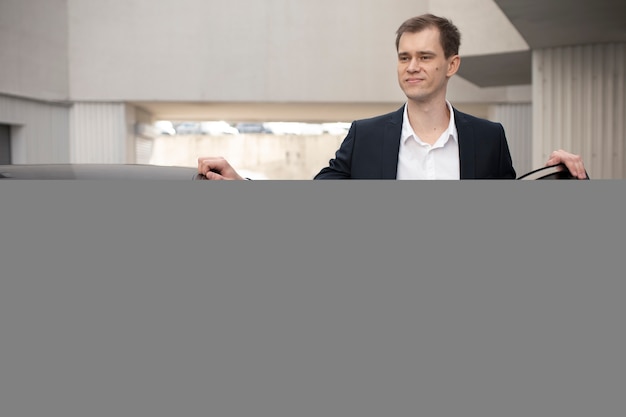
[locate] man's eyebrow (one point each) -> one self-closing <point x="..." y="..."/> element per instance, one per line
<point x="417" y="52"/>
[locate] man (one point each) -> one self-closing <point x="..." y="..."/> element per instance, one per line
<point x="426" y="138"/>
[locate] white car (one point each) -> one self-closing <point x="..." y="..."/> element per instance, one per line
<point x="165" y="127"/>
<point x="218" y="128"/>
<point x="294" y="128"/>
<point x="338" y="128"/>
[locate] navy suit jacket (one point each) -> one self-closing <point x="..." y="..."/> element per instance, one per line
<point x="370" y="150"/>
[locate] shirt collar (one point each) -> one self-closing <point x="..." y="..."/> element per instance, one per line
<point x="407" y="130"/>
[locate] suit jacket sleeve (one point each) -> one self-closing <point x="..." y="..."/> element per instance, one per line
<point x="491" y="155"/>
<point x="340" y="167"/>
<point x="483" y="148"/>
<point x="506" y="163"/>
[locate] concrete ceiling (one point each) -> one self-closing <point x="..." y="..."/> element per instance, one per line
<point x="552" y="23"/>
<point x="546" y="24"/>
<point x="278" y="112"/>
<point x="263" y="112"/>
<point x="496" y="70"/>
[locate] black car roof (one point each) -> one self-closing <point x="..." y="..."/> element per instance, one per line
<point x="95" y="171"/>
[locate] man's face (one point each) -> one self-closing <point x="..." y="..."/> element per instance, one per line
<point x="423" y="70"/>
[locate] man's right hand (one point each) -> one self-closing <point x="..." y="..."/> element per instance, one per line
<point x="217" y="168"/>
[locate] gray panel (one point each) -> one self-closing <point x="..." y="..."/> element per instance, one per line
<point x="498" y="69"/>
<point x="551" y="23"/>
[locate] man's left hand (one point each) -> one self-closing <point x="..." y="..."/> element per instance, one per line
<point x="574" y="163"/>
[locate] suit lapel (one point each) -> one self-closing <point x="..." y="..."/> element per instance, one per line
<point x="467" y="146"/>
<point x="391" y="144"/>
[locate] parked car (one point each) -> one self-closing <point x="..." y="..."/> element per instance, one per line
<point x="161" y="172"/>
<point x="246" y="127"/>
<point x="188" y="128"/>
<point x="97" y="172"/>
<point x="294" y="128"/>
<point x="337" y="128"/>
<point x="165" y="127"/>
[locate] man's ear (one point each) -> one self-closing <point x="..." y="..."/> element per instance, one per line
<point x="453" y="65"/>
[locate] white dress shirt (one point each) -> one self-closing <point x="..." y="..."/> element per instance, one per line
<point x="418" y="160"/>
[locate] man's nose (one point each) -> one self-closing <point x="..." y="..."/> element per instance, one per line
<point x="414" y="65"/>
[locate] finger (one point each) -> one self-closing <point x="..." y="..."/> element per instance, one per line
<point x="554" y="158"/>
<point x="211" y="164"/>
<point x="572" y="169"/>
<point x="576" y="168"/>
<point x="202" y="163"/>
<point x="211" y="175"/>
<point x="582" y="174"/>
<point x="204" y="167"/>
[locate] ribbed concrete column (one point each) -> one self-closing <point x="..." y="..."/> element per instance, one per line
<point x="99" y="133"/>
<point x="517" y="121"/>
<point x="579" y="104"/>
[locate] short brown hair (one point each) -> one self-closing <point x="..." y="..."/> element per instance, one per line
<point x="448" y="33"/>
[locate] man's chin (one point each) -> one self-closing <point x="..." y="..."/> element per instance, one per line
<point x="414" y="96"/>
<point x="413" y="91"/>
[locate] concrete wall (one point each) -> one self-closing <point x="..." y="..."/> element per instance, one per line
<point x="39" y="130"/>
<point x="259" y="156"/>
<point x="240" y="50"/>
<point x="34" y="49"/>
<point x="34" y="79"/>
<point x="254" y="51"/>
